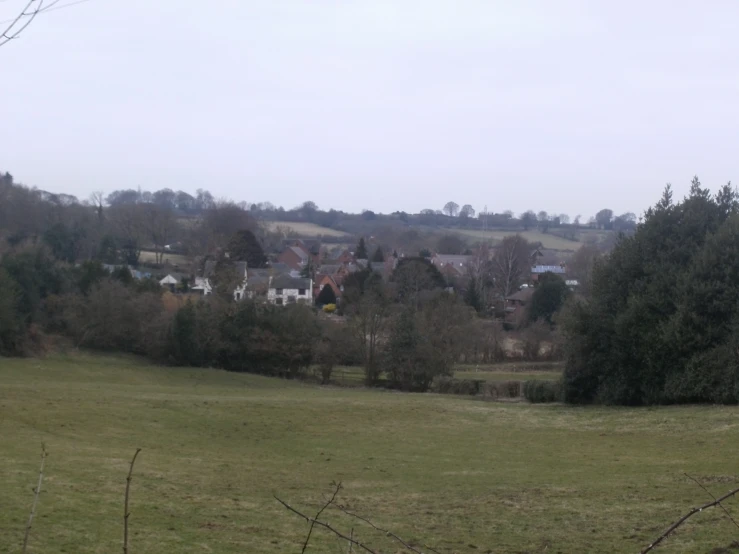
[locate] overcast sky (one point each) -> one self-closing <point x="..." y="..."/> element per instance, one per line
<point x="386" y="105"/>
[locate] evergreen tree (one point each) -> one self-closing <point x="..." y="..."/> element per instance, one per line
<point x="326" y="296"/>
<point x="361" y="253"/>
<point x="244" y="247"/>
<point x="663" y="310"/>
<point x="378" y="256"/>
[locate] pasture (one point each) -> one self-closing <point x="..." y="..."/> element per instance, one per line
<point x="457" y="474"/>
<point x="304" y="230"/>
<point x="548" y="241"/>
<point x="149" y="257"/>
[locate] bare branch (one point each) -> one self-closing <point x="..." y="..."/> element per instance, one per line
<point x="388" y="533"/>
<point x="126" y="513"/>
<point x="326" y="526"/>
<point x="17" y="25"/>
<point x="313" y="523"/>
<point x="682" y="520"/>
<point x="35" y="497"/>
<point x="709" y="493"/>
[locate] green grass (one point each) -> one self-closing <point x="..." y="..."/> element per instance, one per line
<point x="547" y="240"/>
<point x="305" y="230"/>
<point x="171" y="259"/>
<point x="510" y="371"/>
<point x="461" y="475"/>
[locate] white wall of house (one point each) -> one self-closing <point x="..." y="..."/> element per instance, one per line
<point x="290" y="296"/>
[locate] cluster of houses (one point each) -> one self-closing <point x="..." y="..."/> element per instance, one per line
<point x="302" y="270"/>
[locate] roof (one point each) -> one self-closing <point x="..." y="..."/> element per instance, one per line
<point x="287" y="282"/>
<point x="548" y="269"/>
<point x="302" y="254"/>
<point x="452" y="259"/>
<point x="329" y="269"/>
<point x="524" y="295"/>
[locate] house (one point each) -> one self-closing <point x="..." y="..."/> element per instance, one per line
<point x="171" y="281"/>
<point x="285" y="289"/>
<point x="327" y="281"/>
<point x="204" y="286"/>
<point x="451" y="265"/>
<point x="515" y="305"/>
<point x="538" y="270"/>
<point x="296" y="257"/>
<point x="345" y="257"/>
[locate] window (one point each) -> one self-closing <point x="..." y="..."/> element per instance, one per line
<point x="279" y="291"/>
<point x="291" y="300"/>
<point x="278" y="301"/>
<point x="301" y="292"/>
<point x="238" y="296"/>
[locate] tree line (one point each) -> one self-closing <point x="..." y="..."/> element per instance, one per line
<point x="661" y="321"/>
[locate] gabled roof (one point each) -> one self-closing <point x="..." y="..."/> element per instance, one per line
<point x="287" y="282"/>
<point x="300" y="252"/>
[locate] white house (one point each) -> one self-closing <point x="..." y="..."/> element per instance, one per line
<point x="168" y="281"/>
<point x="285" y="289"/>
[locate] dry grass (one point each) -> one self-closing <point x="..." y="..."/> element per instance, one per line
<point x="305" y="230"/>
<point x="462" y="475"/>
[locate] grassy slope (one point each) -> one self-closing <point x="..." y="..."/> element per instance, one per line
<point x="547" y="240"/>
<point x="306" y="230"/>
<point x="456" y="473"/>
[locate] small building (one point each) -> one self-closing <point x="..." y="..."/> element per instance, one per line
<point x="285" y="289"/>
<point x="515" y="305"/>
<point x="452" y="265"/>
<point x="538" y="270"/>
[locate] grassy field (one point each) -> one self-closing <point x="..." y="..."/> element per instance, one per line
<point x="171" y="259"/>
<point x="305" y="230"/>
<point x="460" y="475"/>
<point x="548" y="241"/>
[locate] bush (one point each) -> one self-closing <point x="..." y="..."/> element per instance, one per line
<point x="449" y="385"/>
<point x="540" y="391"/>
<point x="329" y="308"/>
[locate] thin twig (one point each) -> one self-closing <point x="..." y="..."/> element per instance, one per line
<point x="313" y="523"/>
<point x="709" y="493"/>
<point x="692" y="512"/>
<point x="126" y="513"/>
<point x="9" y="34"/>
<point x="326" y="526"/>
<point x="388" y="533"/>
<point x="351" y="546"/>
<point x="35" y="497"/>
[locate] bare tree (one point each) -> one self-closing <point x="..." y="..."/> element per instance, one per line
<point x="368" y="323"/>
<point x="451" y="209"/>
<point x="511" y="264"/>
<point x="467" y="211"/>
<point x="160" y="225"/>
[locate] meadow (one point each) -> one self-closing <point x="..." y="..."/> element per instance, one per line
<point x="547" y="240"/>
<point x="304" y="229"/>
<point x="460" y="475"/>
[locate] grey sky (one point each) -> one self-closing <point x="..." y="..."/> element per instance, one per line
<point x="382" y="104"/>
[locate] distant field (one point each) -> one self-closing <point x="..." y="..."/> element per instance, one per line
<point x="548" y="241"/>
<point x="460" y="475"/>
<point x="305" y="230"/>
<point x="171" y="259"/>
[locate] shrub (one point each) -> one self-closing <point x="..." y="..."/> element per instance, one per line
<point x="540" y="391"/>
<point x="329" y="308"/>
<point x="449" y="385"/>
